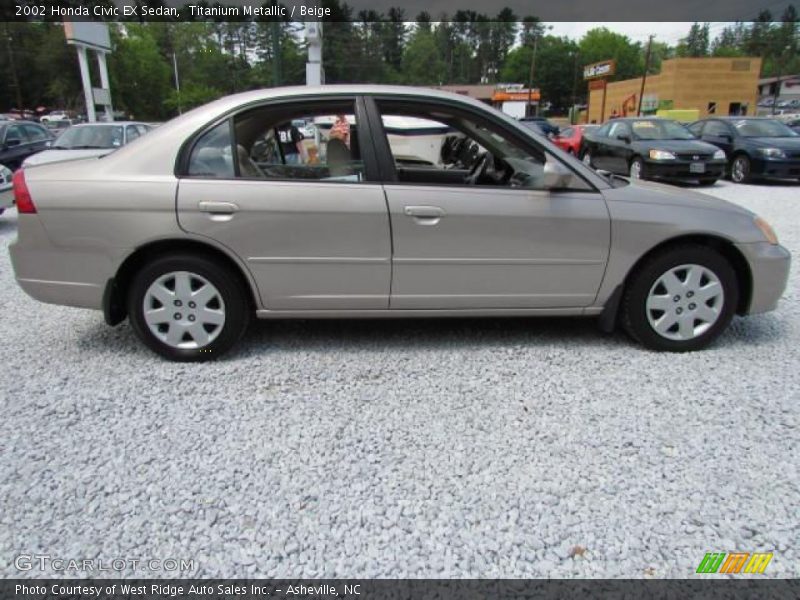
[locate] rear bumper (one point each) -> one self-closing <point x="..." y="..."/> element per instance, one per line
<point x="769" y="266"/>
<point x="679" y="170"/>
<point x="39" y="268"/>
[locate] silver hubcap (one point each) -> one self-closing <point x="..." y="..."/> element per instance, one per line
<point x="636" y="170"/>
<point x="685" y="302"/>
<point x="587" y="159"/>
<point x="184" y="310"/>
<point x="739" y="169"/>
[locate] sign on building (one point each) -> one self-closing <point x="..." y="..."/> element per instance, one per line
<point x="596" y="70"/>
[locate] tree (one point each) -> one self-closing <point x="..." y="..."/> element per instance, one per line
<point x="602" y="44"/>
<point x="422" y="64"/>
<point x="140" y="76"/>
<point x="555" y="69"/>
<point x="695" y="44"/>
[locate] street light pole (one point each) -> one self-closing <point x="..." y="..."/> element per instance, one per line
<point x="530" y="77"/>
<point x="644" y="75"/>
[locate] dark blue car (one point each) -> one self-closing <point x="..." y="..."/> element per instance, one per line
<point x="756" y="147"/>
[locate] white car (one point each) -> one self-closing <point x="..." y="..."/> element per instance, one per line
<point x="88" y="140"/>
<point x="55" y="116"/>
<point x="6" y="192"/>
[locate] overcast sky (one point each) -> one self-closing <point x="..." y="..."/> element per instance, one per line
<point x="667" y="32"/>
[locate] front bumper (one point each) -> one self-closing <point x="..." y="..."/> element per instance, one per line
<point x="769" y="266"/>
<point x="681" y="170"/>
<point x="777" y="168"/>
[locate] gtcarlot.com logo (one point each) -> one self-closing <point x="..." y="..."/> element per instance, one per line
<point x="734" y="562"/>
<point x="45" y="562"/>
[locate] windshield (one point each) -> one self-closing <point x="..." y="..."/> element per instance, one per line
<point x="660" y="130"/>
<point x="92" y="136"/>
<point x="763" y="128"/>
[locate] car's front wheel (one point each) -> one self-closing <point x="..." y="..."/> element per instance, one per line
<point x="188" y="308"/>
<point x="587" y="158"/>
<point x="740" y="169"/>
<point x="637" y="168"/>
<point x="680" y="299"/>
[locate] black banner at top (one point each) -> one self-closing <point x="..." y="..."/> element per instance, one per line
<point x="438" y="10"/>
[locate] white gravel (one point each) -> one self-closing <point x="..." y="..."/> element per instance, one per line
<point x="452" y="448"/>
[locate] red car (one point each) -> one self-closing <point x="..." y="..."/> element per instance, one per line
<point x="570" y="138"/>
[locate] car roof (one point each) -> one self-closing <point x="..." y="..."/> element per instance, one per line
<point x="101" y="123"/>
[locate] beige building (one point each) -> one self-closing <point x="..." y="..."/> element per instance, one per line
<point x="721" y="86"/>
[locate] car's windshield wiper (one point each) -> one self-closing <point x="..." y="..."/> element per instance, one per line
<point x="86" y="147"/>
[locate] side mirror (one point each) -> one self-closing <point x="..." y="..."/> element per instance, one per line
<point x="13" y="142"/>
<point x="725" y="137"/>
<point x="556" y="176"/>
<point x="624" y="138"/>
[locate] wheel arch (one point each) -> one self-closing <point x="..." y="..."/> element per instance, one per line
<point x="116" y="290"/>
<point x="744" y="276"/>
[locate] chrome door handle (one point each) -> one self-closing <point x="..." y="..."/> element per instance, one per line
<point x="218" y="208"/>
<point x="424" y="212"/>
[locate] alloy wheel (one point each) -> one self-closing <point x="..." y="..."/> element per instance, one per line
<point x="587" y="159"/>
<point x="740" y="169"/>
<point x="184" y="310"/>
<point x="636" y="169"/>
<point x="685" y="302"/>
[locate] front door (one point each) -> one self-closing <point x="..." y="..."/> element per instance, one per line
<point x="496" y="238"/>
<point x="297" y="208"/>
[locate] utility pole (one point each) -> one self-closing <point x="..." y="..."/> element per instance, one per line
<point x="574" y="88"/>
<point x="644" y="75"/>
<point x="12" y="64"/>
<point x="530" y="78"/>
<point x="276" y="52"/>
<point x="177" y="81"/>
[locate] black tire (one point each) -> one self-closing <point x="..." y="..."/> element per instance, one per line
<point x="237" y="311"/>
<point x="633" y="309"/>
<point x="708" y="182"/>
<point x="745" y="175"/>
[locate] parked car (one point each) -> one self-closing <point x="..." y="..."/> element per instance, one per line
<point x="57" y="127"/>
<point x="541" y="124"/>
<point x="570" y="139"/>
<point x="767" y="102"/>
<point x="190" y="234"/>
<point x="89" y="140"/>
<point x="55" y="116"/>
<point x="6" y="189"/>
<point x="757" y="147"/>
<point x="794" y="125"/>
<point x="652" y="148"/>
<point x="20" y="139"/>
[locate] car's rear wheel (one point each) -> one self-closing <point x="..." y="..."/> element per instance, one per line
<point x="187" y="308"/>
<point x="680" y="299"/>
<point x="740" y="169"/>
<point x="637" y="168"/>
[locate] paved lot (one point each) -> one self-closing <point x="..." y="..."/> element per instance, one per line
<point x="462" y="448"/>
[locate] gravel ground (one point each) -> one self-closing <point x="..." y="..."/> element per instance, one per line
<point x="457" y="448"/>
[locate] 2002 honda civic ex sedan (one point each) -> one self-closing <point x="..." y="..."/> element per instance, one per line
<point x="406" y="202"/>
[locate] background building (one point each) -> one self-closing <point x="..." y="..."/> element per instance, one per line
<point x="721" y="86"/>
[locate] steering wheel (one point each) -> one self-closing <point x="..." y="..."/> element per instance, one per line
<point x="478" y="169"/>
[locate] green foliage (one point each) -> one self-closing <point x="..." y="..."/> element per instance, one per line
<point x="139" y="74"/>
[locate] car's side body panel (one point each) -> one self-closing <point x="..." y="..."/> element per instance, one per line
<point x="308" y="245"/>
<point x="496" y="248"/>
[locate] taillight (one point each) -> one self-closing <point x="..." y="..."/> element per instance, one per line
<point x="21" y="194"/>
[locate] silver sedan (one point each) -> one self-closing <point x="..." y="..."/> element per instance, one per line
<point x="406" y="203"/>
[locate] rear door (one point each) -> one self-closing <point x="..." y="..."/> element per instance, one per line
<point x="314" y="231"/>
<point x="511" y="244"/>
